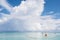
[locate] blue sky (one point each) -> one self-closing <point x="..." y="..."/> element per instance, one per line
<point x="14" y="3"/>
<point x="52" y="5"/>
<point x="49" y="17"/>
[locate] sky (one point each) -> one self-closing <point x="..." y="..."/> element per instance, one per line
<point x="52" y="6"/>
<point x="30" y="15"/>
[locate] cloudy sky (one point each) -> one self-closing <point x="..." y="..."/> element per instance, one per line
<point x="30" y="15"/>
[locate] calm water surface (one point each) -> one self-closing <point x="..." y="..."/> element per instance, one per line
<point x="29" y="36"/>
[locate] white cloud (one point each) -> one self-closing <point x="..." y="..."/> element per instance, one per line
<point x="4" y="18"/>
<point x="26" y="17"/>
<point x="29" y="13"/>
<point x="5" y="4"/>
<point x="29" y="7"/>
<point x="48" y="23"/>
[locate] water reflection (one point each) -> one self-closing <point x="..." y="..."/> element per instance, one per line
<point x="29" y="36"/>
<point x="40" y="36"/>
<point x="34" y="36"/>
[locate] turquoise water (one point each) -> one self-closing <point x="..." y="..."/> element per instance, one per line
<point x="29" y="36"/>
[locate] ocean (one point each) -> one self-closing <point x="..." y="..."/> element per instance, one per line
<point x="29" y="36"/>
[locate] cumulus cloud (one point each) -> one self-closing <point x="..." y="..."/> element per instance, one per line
<point x="27" y="17"/>
<point x="48" y="23"/>
<point x="29" y="13"/>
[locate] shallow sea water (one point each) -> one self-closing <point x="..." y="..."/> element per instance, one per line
<point x="29" y="36"/>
